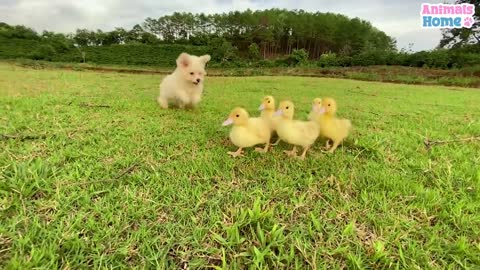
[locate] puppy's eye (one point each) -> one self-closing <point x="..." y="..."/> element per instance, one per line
<point x="191" y="73"/>
<point x="238" y="115"/>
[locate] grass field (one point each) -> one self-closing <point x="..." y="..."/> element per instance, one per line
<point x="464" y="77"/>
<point x="94" y="175"/>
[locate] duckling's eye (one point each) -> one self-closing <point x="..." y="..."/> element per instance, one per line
<point x="191" y="73"/>
<point x="269" y="101"/>
<point x="286" y="108"/>
<point x="329" y="105"/>
<point x="238" y="115"/>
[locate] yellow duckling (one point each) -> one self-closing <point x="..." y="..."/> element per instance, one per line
<point x="247" y="132"/>
<point x="267" y="108"/>
<point x="331" y="127"/>
<point x="296" y="132"/>
<point x="317" y="103"/>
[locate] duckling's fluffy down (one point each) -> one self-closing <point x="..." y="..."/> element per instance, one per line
<point x="255" y="132"/>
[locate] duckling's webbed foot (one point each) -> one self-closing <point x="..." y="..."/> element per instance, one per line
<point x="276" y="142"/>
<point x="262" y="150"/>
<point x="334" y="146"/>
<point x="302" y="157"/>
<point x="327" y="144"/>
<point x="238" y="153"/>
<point x="291" y="153"/>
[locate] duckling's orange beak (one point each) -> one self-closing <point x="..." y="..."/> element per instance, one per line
<point x="262" y="107"/>
<point x="227" y="122"/>
<point x="278" y="113"/>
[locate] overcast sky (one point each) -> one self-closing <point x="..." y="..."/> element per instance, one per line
<point x="399" y="19"/>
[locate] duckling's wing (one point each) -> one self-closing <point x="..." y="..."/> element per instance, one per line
<point x="310" y="128"/>
<point x="260" y="127"/>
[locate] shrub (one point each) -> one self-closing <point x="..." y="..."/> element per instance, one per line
<point x="224" y="55"/>
<point x="298" y="57"/>
<point x="397" y="59"/>
<point x="439" y="59"/>
<point x="222" y="50"/>
<point x="328" y="60"/>
<point x="345" y="61"/>
<point x="370" y="58"/>
<point x="44" y="52"/>
<point x="254" y="51"/>
<point x="462" y="59"/>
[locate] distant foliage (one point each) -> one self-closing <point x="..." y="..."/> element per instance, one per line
<point x="458" y="37"/>
<point x="254" y="51"/>
<point x="222" y="50"/>
<point x="328" y="60"/>
<point x="276" y="32"/>
<point x="17" y="31"/>
<point x="44" y="52"/>
<point x="298" y="57"/>
<point x="135" y="54"/>
<point x="245" y="44"/>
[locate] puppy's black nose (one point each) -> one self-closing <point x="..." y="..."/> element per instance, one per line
<point x="198" y="80"/>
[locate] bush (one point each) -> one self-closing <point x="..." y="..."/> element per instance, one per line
<point x="461" y="59"/>
<point x="267" y="63"/>
<point x="254" y="51"/>
<point x="222" y="50"/>
<point x="225" y="55"/>
<point x="328" y="60"/>
<point x="17" y="48"/>
<point x="439" y="59"/>
<point x="298" y="57"/>
<point x="370" y="58"/>
<point x="44" y="52"/>
<point x="397" y="59"/>
<point x="134" y="54"/>
<point x="345" y="61"/>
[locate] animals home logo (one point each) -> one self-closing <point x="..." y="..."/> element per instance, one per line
<point x="447" y="16"/>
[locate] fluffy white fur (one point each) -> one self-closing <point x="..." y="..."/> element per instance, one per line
<point x="184" y="87"/>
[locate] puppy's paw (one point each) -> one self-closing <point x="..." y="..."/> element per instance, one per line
<point x="162" y="102"/>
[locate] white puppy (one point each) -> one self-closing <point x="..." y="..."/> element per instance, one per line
<point x="184" y="86"/>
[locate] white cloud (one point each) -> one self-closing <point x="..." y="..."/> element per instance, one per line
<point x="399" y="19"/>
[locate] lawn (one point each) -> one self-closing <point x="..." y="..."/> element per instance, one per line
<point x="94" y="175"/>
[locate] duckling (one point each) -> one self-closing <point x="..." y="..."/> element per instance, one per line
<point x="314" y="114"/>
<point x="331" y="127"/>
<point x="267" y="109"/>
<point x="296" y="132"/>
<point x="316" y="104"/>
<point x="247" y="132"/>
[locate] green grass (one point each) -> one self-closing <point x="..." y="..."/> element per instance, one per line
<point x="129" y="185"/>
<point x="465" y="77"/>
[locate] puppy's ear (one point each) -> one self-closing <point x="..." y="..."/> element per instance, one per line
<point x="183" y="60"/>
<point x="205" y="58"/>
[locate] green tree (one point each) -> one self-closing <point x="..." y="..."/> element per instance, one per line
<point x="276" y="32"/>
<point x="254" y="51"/>
<point x="18" y="31"/>
<point x="458" y="37"/>
<point x="84" y="37"/>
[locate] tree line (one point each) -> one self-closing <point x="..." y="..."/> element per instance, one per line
<point x="275" y="31"/>
<point x="273" y="37"/>
<point x="272" y="32"/>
